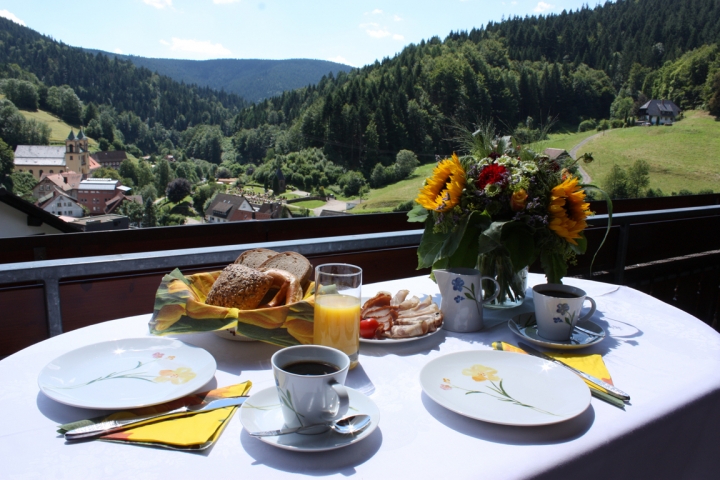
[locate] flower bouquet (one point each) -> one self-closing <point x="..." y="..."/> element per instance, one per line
<point x="500" y="207"/>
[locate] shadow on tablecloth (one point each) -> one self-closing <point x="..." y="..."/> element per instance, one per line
<point x="510" y="435"/>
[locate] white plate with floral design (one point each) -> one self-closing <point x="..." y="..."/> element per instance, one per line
<point x="262" y="412"/>
<point x="127" y="373"/>
<point x="505" y="388"/>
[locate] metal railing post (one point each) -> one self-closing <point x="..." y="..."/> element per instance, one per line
<point x="52" y="305"/>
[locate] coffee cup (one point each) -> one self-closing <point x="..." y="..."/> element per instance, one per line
<point x="557" y="309"/>
<point x="310" y="384"/>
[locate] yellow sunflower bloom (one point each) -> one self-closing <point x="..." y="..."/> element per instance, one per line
<point x="568" y="210"/>
<point x="442" y="190"/>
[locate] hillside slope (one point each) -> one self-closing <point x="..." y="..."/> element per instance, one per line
<point x="252" y="79"/>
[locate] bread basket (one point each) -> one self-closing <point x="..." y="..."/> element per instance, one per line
<point x="180" y="308"/>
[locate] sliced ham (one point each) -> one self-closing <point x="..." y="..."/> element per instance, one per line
<point x="399" y="298"/>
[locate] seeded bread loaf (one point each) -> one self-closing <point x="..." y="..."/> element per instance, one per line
<point x="255" y="257"/>
<point x="239" y="287"/>
<point x="290" y="262"/>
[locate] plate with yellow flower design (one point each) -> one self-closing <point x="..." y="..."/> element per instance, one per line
<point x="127" y="373"/>
<point x="505" y="388"/>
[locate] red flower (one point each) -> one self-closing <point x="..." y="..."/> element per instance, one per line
<point x="492" y="173"/>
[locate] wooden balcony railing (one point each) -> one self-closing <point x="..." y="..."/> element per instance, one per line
<point x="56" y="283"/>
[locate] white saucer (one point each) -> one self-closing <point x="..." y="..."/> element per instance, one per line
<point x="580" y="339"/>
<point x="262" y="412"/>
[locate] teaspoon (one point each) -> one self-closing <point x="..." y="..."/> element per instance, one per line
<point x="345" y="426"/>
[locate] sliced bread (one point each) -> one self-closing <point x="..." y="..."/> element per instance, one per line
<point x="255" y="257"/>
<point x="290" y="262"/>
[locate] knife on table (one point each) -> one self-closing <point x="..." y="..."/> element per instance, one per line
<point x="611" y="389"/>
<point x="111" y="426"/>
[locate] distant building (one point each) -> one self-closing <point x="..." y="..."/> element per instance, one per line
<point x="556" y="153"/>
<point x="658" y="112"/>
<point x="49" y="159"/>
<point x="96" y="193"/>
<point x="237" y="208"/>
<point x="60" y="203"/>
<point x="102" y="222"/>
<point x="68" y="182"/>
<point x="111" y="159"/>
<point x="20" y="218"/>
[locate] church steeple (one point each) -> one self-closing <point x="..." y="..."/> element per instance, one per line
<point x="72" y="135"/>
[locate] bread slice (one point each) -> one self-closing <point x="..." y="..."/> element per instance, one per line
<point x="255" y="257"/>
<point x="239" y="287"/>
<point x="290" y="262"/>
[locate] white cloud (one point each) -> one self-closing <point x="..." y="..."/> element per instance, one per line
<point x="398" y="37"/>
<point x="378" y="33"/>
<point x="397" y="18"/>
<point x="11" y="16"/>
<point x="118" y="51"/>
<point x="203" y="47"/>
<point x="543" y="7"/>
<point x="377" y="11"/>
<point x="223" y="2"/>
<point x="340" y="59"/>
<point x="159" y="4"/>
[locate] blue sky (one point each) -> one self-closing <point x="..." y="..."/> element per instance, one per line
<point x="354" y="32"/>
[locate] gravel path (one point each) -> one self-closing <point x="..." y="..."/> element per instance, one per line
<point x="332" y="204"/>
<point x="573" y="153"/>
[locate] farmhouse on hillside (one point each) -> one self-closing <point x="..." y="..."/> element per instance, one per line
<point x="111" y="159"/>
<point x="236" y="208"/>
<point x="658" y="112"/>
<point x="48" y="159"/>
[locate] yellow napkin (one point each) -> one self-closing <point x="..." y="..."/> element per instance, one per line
<point x="592" y="364"/>
<point x="189" y="431"/>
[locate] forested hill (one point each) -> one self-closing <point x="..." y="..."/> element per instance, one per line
<point x="614" y="36"/>
<point x="518" y="73"/>
<point x="252" y="79"/>
<point x="100" y="80"/>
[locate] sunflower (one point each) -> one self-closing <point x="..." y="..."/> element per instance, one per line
<point x="568" y="210"/>
<point x="443" y="189"/>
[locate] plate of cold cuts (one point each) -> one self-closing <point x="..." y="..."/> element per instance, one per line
<point x="401" y="317"/>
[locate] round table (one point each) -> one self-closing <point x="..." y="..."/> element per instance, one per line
<point x="667" y="360"/>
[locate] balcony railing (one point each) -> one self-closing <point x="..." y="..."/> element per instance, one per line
<point x="57" y="283"/>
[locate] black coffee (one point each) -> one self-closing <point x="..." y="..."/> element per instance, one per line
<point x="558" y="294"/>
<point x="311" y="368"/>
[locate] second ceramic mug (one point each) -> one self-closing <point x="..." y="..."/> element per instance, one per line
<point x="557" y="309"/>
<point x="310" y="383"/>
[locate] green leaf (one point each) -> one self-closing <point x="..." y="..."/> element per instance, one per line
<point x="418" y="213"/>
<point x="554" y="266"/>
<point x="490" y="238"/>
<point x="517" y="237"/>
<point x="430" y="245"/>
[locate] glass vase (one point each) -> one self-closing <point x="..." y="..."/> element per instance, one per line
<point x="512" y="283"/>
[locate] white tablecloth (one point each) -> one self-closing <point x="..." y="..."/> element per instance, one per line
<point x="668" y="361"/>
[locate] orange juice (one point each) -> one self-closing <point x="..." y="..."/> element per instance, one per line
<point x="337" y="324"/>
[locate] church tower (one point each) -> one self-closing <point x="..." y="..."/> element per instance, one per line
<point x="76" y="154"/>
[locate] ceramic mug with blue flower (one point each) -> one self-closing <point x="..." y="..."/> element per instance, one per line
<point x="462" y="298"/>
<point x="558" y="309"/>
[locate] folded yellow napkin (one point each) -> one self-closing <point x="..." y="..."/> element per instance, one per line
<point x="592" y="364"/>
<point x="189" y="431"/>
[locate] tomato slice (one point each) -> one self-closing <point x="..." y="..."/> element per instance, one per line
<point x="368" y="327"/>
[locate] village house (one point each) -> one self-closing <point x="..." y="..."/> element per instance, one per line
<point x="658" y="112"/>
<point x="21" y="218"/>
<point x="61" y="204"/>
<point x="39" y="160"/>
<point x="68" y="182"/>
<point x="96" y="193"/>
<point x="235" y="208"/>
<point x="111" y="159"/>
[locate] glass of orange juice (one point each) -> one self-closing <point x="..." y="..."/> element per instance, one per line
<point x="337" y="308"/>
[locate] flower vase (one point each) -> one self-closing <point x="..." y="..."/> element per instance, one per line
<point x="512" y="283"/>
